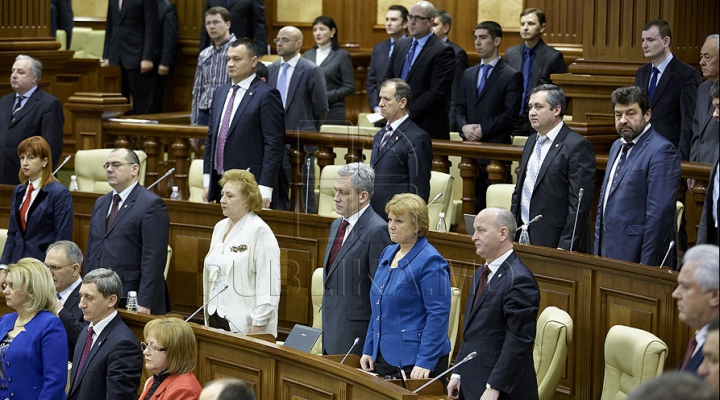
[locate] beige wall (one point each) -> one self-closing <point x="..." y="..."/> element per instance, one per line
<point x="294" y="11"/>
<point x="504" y="12"/>
<point x="90" y="8"/>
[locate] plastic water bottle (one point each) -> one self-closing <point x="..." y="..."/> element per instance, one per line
<point x="73" y="183"/>
<point x="132" y="302"/>
<point x="441" y="223"/>
<point x="175" y="195"/>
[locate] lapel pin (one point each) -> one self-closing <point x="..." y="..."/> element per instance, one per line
<point x="250" y="94"/>
<point x="125" y="206"/>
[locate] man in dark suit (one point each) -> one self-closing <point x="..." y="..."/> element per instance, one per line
<point x="246" y="126"/>
<point x="402" y="152"/>
<point x="356" y="241"/>
<point x="167" y="45"/>
<point x="427" y="65"/>
<point x="708" y="231"/>
<point x="248" y="21"/>
<point x="64" y="260"/>
<point x="636" y="210"/>
<point x="489" y="101"/>
<point x="697" y="296"/>
<point x="671" y="86"/>
<point x="108" y="361"/>
<point x="396" y="22"/>
<point x="61" y="17"/>
<point x="557" y="163"/>
<point x="302" y="87"/>
<point x="500" y="318"/>
<point x="704" y="143"/>
<point x="441" y="27"/>
<point x="535" y="59"/>
<point x="132" y="36"/>
<point x="129" y="234"/>
<point x="29" y="111"/>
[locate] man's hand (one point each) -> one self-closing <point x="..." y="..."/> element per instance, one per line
<point x="143" y="310"/>
<point x="690" y="184"/>
<point x="453" y="389"/>
<point x="490" y="394"/>
<point x="419" y="373"/>
<point x="257" y="329"/>
<point x="367" y="363"/>
<point x="205" y="194"/>
<point x="145" y="66"/>
<point x="266" y="203"/>
<point x="472" y="132"/>
<point x="163" y="70"/>
<point x="105" y="63"/>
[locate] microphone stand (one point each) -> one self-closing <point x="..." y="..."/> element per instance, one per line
<point x="439" y="195"/>
<point x="464" y="360"/>
<point x="206" y="303"/>
<point x="62" y="164"/>
<point x="524" y="238"/>
<point x="357" y="340"/>
<point x="170" y="171"/>
<point x="672" y="244"/>
<point x="577" y="211"/>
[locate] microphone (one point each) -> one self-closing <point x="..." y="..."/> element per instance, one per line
<point x="307" y="184"/>
<point x="357" y="340"/>
<point x="524" y="238"/>
<point x="62" y="163"/>
<point x="464" y="360"/>
<point x="672" y="244"/>
<point x="577" y="211"/>
<point x="206" y="303"/>
<point x="170" y="171"/>
<point x="439" y="195"/>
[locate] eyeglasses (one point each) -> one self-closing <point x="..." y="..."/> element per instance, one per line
<point x="115" y="165"/>
<point x="213" y="22"/>
<point x="57" y="267"/>
<point x="284" y="40"/>
<point x="418" y="18"/>
<point x="144" y="346"/>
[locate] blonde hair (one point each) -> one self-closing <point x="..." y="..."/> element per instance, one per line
<point x="178" y="339"/>
<point x="414" y="207"/>
<point x="30" y="276"/>
<point x="247" y="187"/>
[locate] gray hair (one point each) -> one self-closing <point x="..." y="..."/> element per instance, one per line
<point x="107" y="282"/>
<point x="706" y="258"/>
<point x="363" y="176"/>
<point x="555" y="96"/>
<point x="673" y="385"/>
<point x="717" y="38"/>
<point x="71" y="250"/>
<point x="507" y="219"/>
<point x="35" y="65"/>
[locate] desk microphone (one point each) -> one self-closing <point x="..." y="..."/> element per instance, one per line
<point x="307" y="184"/>
<point x="577" y="211"/>
<point x="464" y="360"/>
<point x="357" y="340"/>
<point x="62" y="163"/>
<point x="206" y="303"/>
<point x="439" y="195"/>
<point x="170" y="171"/>
<point x="672" y="244"/>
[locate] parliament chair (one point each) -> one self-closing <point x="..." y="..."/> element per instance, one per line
<point x="632" y="357"/>
<point x="167" y="261"/>
<point x="440" y="183"/>
<point x="95" y="45"/>
<point x="679" y="211"/>
<point x="91" y="176"/>
<point x="316" y="291"/>
<point x="500" y="195"/>
<point x="363" y="121"/>
<point x="3" y="238"/>
<point x="457" y="193"/>
<point x="325" y="203"/>
<point x="61" y="37"/>
<point x="195" y="181"/>
<point x="80" y="36"/>
<point x="518" y="141"/>
<point x="454" y="325"/>
<point x="554" y="334"/>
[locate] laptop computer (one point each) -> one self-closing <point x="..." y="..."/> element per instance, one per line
<point x="469" y="221"/>
<point x="302" y="338"/>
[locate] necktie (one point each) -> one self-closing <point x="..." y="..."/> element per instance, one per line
<point x="482" y="283"/>
<point x="113" y="211"/>
<point x="408" y="61"/>
<point x="392" y="47"/>
<point x="620" y="164"/>
<point x="484" y="72"/>
<point x="58" y="296"/>
<point x="282" y="82"/>
<point x="85" y="353"/>
<point x="386" y="136"/>
<point x="224" y="127"/>
<point x="688" y="354"/>
<point x="528" y="58"/>
<point x="653" y="83"/>
<point x="337" y="244"/>
<point x="17" y="107"/>
<point x="530" y="178"/>
<point x="25" y="207"/>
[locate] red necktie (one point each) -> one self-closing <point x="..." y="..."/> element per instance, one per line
<point x="113" y="212"/>
<point x="338" y="242"/>
<point x="25" y="207"/>
<point x="483" y="282"/>
<point x="85" y="353"/>
<point x="688" y="354"/>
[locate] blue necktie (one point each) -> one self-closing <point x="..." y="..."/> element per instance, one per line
<point x="653" y="83"/>
<point x="408" y="61"/>
<point x="282" y="82"/>
<point x="528" y="58"/>
<point x="484" y="72"/>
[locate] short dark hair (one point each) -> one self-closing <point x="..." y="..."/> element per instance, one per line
<point x="538" y="13"/>
<point x="444" y="17"/>
<point x="402" y="89"/>
<point x="629" y="95"/>
<point x="249" y="45"/>
<point x="403" y="11"/>
<point x="131" y="156"/>
<point x="662" y="26"/>
<point x="261" y="71"/>
<point x="222" y="11"/>
<point x="330" y="23"/>
<point x="236" y="389"/>
<point x="715" y="90"/>
<point x="555" y="96"/>
<point x="493" y="28"/>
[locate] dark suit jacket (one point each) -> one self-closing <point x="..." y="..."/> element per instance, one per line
<point x="247" y="19"/>
<point x="256" y="136"/>
<point x="135" y="245"/>
<point x="50" y="218"/>
<point x="169" y="33"/>
<point x="112" y="369"/>
<point x="547" y="61"/>
<point x="376" y="71"/>
<point x="568" y="166"/>
<point x="61" y="17"/>
<point x="707" y="232"/>
<point x="307" y="99"/>
<point x="498" y="106"/>
<point x="430" y="80"/>
<point x="346" y="302"/>
<point x="42" y="115"/>
<point x="339" y="81"/>
<point x="673" y="105"/>
<point x="403" y="166"/>
<point x="461" y="64"/>
<point x="638" y="221"/>
<point x="500" y="327"/>
<point x="72" y="319"/>
<point x="133" y="34"/>
<point x="704" y="143"/>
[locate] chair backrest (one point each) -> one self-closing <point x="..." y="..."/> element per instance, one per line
<point x="363" y="121"/>
<point x="91" y="176"/>
<point x="554" y="334"/>
<point x="440" y="183"/>
<point x="95" y="44"/>
<point x="518" y="141"/>
<point x="500" y="195"/>
<point x="316" y="290"/>
<point x="456" y="213"/>
<point x="80" y="36"/>
<point x="326" y="205"/>
<point x="632" y="356"/>
<point x="679" y="210"/>
<point x="3" y="238"/>
<point x="195" y="181"/>
<point x="454" y="324"/>
<point x="167" y="261"/>
<point x="61" y="36"/>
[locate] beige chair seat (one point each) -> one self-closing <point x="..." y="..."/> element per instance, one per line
<point x="325" y="203"/>
<point x="195" y="181"/>
<point x="554" y="334"/>
<point x="91" y="176"/>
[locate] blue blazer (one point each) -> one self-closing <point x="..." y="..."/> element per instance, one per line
<point x="410" y="308"/>
<point x="36" y="361"/>
<point x="637" y="223"/>
<point x="339" y="82"/>
<point x="50" y="219"/>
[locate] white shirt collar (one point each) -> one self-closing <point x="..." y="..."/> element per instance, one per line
<point x="395" y="124"/>
<point x="103" y="323"/>
<point x="355" y="217"/>
<point x="293" y="61"/>
<point x="664" y="63"/>
<point x="245" y="83"/>
<point x="65" y="294"/>
<point x="552" y="133"/>
<point x="125" y="193"/>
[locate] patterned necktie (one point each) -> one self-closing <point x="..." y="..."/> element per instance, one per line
<point x="621" y="163"/>
<point x="408" y="61"/>
<point x="482" y="283"/>
<point x="224" y="127"/>
<point x="282" y="82"/>
<point x="17" y="108"/>
<point x="653" y="83"/>
<point x="85" y="353"/>
<point x="484" y="73"/>
<point x="386" y="136"/>
<point x="25" y="207"/>
<point x="337" y="244"/>
<point x="530" y="178"/>
<point x="113" y="211"/>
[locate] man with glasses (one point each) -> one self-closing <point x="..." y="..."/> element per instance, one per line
<point x="427" y="65"/>
<point x="64" y="260"/>
<point x="129" y="234"/>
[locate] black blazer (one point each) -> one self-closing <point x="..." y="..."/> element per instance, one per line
<point x="498" y="106"/>
<point x="704" y="143"/>
<point x="430" y="80"/>
<point x="169" y="33"/>
<point x="461" y="64"/>
<point x="568" y="166"/>
<point x="247" y="19"/>
<point x="673" y="105"/>
<point x="339" y="82"/>
<point x="376" y="71"/>
<point x="707" y="232"/>
<point x="72" y="318"/>
<point x="547" y="61"/>
<point x="133" y="34"/>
